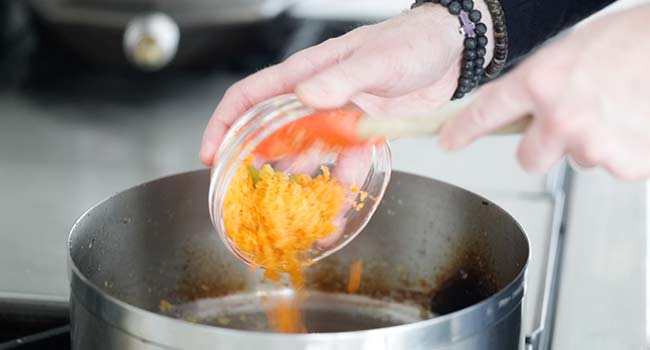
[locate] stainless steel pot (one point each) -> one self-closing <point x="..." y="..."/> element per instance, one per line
<point x="443" y="269"/>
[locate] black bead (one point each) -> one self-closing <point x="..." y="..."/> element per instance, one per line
<point x="474" y="16"/>
<point x="454" y="8"/>
<point x="467" y="73"/>
<point x="435" y="1"/>
<point x="466" y="82"/>
<point x="479" y="62"/>
<point x="445" y="2"/>
<point x="467" y="65"/>
<point x="470" y="43"/>
<point x="480" y="28"/>
<point x="464" y="88"/>
<point x="478" y="71"/>
<point x="468" y="5"/>
<point x="481" y="40"/>
<point x="480" y="52"/>
<point x="469" y="54"/>
<point x="458" y="95"/>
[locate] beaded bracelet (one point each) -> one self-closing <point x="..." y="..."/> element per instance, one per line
<point x="500" y="40"/>
<point x="474" y="44"/>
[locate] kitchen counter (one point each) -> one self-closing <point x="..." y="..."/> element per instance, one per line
<point x="602" y="296"/>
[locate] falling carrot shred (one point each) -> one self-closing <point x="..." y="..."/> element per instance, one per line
<point x="355" y="277"/>
<point x="285" y="317"/>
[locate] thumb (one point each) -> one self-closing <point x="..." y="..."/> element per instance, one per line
<point x="496" y="105"/>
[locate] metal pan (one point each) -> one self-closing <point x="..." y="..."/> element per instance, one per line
<point x="443" y="268"/>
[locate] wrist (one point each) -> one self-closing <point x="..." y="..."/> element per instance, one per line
<point x="437" y="18"/>
<point x="444" y="27"/>
<point x="475" y="27"/>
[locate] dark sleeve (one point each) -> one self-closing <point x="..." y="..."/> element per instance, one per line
<point x="531" y="22"/>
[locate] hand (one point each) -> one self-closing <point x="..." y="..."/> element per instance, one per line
<point x="588" y="94"/>
<point x="407" y="64"/>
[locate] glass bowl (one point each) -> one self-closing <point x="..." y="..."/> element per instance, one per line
<point x="362" y="169"/>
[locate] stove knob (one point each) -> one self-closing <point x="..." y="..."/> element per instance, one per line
<point x="151" y="41"/>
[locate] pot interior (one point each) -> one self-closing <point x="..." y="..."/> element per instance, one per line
<point x="430" y="249"/>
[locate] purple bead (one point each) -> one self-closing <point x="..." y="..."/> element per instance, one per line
<point x="467" y="27"/>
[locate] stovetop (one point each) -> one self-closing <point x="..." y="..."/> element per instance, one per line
<point x="55" y="338"/>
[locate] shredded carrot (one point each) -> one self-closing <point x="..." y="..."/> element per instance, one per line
<point x="363" y="195"/>
<point x="355" y="277"/>
<point x="165" y="306"/>
<point x="277" y="218"/>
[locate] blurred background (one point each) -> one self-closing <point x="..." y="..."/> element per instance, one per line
<point x="98" y="96"/>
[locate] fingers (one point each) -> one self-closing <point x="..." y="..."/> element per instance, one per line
<point x="547" y="139"/>
<point x="495" y="106"/>
<point x="335" y="86"/>
<point x="589" y="148"/>
<point x="272" y="81"/>
<point x="212" y="137"/>
<point x="499" y="104"/>
<point x="627" y="157"/>
<point x="393" y="62"/>
<point x="539" y="150"/>
<point x="352" y="167"/>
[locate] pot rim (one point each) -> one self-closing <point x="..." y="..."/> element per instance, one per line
<point x="169" y="331"/>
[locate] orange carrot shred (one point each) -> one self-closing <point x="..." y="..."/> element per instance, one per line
<point x="363" y="195"/>
<point x="285" y="317"/>
<point x="355" y="277"/>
